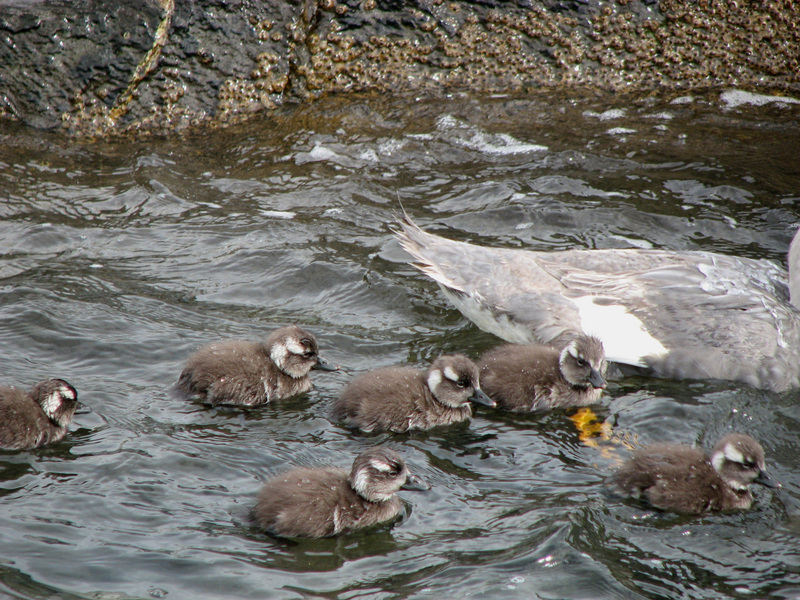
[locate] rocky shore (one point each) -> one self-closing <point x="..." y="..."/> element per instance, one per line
<point x="92" y="67"/>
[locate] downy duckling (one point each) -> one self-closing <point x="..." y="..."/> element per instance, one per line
<point x="403" y="398"/>
<point x="683" y="479"/>
<point x="247" y="373"/>
<point x="324" y="502"/>
<point x="38" y="417"/>
<point x="532" y="377"/>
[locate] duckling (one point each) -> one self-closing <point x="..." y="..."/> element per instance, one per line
<point x="38" y="417"/>
<point x="403" y="398"/>
<point x="247" y="373"/>
<point x="533" y="377"/>
<point x="325" y="502"/>
<point x="683" y="479"/>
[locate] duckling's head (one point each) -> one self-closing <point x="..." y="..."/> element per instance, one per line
<point x="583" y="362"/>
<point x="294" y="351"/>
<point x="739" y="460"/>
<point x="454" y="380"/>
<point x="58" y="400"/>
<point x="379" y="473"/>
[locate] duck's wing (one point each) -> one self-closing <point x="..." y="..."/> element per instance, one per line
<point x="681" y="314"/>
<point x="514" y="299"/>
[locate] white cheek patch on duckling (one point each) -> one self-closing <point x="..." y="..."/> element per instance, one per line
<point x="361" y="485"/>
<point x="624" y="337"/>
<point x="434" y="379"/>
<point x="360" y="482"/>
<point x="278" y="354"/>
<point x="51" y="404"/>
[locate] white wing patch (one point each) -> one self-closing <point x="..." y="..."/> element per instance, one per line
<point x="337" y="520"/>
<point x="623" y="335"/>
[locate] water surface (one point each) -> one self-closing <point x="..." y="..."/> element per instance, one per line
<point x="120" y="258"/>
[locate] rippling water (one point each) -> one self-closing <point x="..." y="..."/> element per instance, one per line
<point x="121" y="258"/>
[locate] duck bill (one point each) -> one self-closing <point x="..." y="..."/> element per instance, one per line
<point x="82" y="409"/>
<point x="597" y="380"/>
<point x="415" y="484"/>
<point x="766" y="480"/>
<point x="480" y="398"/>
<point x="324" y="365"/>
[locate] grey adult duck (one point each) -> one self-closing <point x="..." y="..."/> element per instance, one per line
<point x="249" y="373"/>
<point x="680" y="315"/>
<point x="683" y="479"/>
<point x="29" y="419"/>
<point x="401" y="398"/>
<point x="535" y="377"/>
<point x="324" y="502"/>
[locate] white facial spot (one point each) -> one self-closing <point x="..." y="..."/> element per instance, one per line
<point x="67" y="393"/>
<point x="360" y="483"/>
<point x="450" y="373"/>
<point x="295" y="347"/>
<point x="572" y="348"/>
<point x="623" y="335"/>
<point x="733" y="454"/>
<point x="52" y="403"/>
<point x="381" y="466"/>
<point x="279" y="353"/>
<point x="434" y="379"/>
<point x="717" y="460"/>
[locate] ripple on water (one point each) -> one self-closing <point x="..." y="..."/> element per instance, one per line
<point x="120" y="260"/>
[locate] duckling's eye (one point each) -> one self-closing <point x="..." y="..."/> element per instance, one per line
<point x="394" y="470"/>
<point x="581" y="362"/>
<point x="464" y="382"/>
<point x="309" y="354"/>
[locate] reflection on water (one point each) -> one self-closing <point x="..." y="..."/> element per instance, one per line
<point x="120" y="258"/>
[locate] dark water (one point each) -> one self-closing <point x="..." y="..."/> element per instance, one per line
<point x="121" y="258"/>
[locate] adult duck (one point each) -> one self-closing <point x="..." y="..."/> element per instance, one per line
<point x="679" y="315"/>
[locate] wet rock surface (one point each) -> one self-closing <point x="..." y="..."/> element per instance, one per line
<point x="94" y="67"/>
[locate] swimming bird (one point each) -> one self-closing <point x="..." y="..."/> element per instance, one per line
<point x="536" y="377"/>
<point x="246" y="373"/>
<point x="38" y="417"/>
<point x="674" y="314"/>
<point x="324" y="502"/>
<point x="683" y="479"/>
<point x="403" y="398"/>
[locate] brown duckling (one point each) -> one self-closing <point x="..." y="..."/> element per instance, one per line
<point x="535" y="377"/>
<point x="400" y="399"/>
<point x="38" y="417"/>
<point x="324" y="502"/>
<point x="683" y="479"/>
<point x="245" y="373"/>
